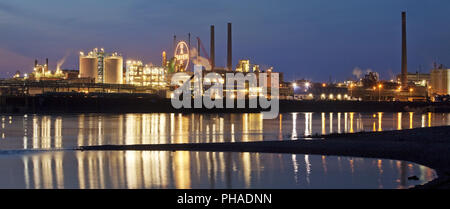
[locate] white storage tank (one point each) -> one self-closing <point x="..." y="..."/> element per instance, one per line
<point x="88" y="66"/>
<point x="113" y="71"/>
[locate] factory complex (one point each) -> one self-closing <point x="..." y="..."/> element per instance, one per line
<point x="107" y="72"/>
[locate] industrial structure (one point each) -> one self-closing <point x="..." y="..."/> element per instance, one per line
<point x="102" y="67"/>
<point x="404" y="81"/>
<point x="105" y="72"/>
<point x="144" y="75"/>
<point x="113" y="69"/>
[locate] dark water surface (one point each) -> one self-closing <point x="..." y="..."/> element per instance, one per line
<point x="67" y="131"/>
<point x="182" y="169"/>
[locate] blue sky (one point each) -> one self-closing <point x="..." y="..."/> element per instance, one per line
<point x="304" y="39"/>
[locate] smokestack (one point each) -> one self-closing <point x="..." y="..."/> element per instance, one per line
<point x="404" y="78"/>
<point x="198" y="47"/>
<point x="212" y="53"/>
<point x="46" y="64"/>
<point x="35" y="63"/>
<point x="229" y="63"/>
<point x="189" y="40"/>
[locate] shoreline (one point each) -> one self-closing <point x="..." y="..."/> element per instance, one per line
<point x="149" y="103"/>
<point x="426" y="146"/>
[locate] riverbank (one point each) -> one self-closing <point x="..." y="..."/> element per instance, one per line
<point x="425" y="146"/>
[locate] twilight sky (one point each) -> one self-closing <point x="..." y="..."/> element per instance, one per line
<point x="304" y="39"/>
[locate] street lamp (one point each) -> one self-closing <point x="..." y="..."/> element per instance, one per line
<point x="374" y="88"/>
<point x="379" y="91"/>
<point x="410" y="92"/>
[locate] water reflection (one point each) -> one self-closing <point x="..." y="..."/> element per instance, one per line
<point x="67" y="131"/>
<point x="152" y="169"/>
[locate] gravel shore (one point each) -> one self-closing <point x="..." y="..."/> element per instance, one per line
<point x="425" y="146"/>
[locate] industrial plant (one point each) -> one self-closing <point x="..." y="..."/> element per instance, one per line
<point x="103" y="72"/>
<point x="107" y="73"/>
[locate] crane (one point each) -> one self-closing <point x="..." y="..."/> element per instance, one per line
<point x="203" y="48"/>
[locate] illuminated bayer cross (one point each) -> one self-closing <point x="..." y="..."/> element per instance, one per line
<point x="182" y="56"/>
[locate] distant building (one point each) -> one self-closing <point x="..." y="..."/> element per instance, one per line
<point x="323" y="91"/>
<point x="418" y="79"/>
<point x="144" y="75"/>
<point x="440" y="81"/>
<point x="243" y="66"/>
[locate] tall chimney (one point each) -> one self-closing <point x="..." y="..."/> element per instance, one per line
<point x="35" y="62"/>
<point x="46" y="64"/>
<point x="229" y="63"/>
<point x="212" y="49"/>
<point x="198" y="46"/>
<point x="404" y="78"/>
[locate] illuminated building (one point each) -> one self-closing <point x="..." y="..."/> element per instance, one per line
<point x="134" y="71"/>
<point x="243" y="66"/>
<point x="41" y="72"/>
<point x="164" y="59"/>
<point x="144" y="75"/>
<point x="419" y="79"/>
<point x="256" y="68"/>
<point x="102" y="67"/>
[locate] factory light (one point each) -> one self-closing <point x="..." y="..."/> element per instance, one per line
<point x="380" y="86"/>
<point x="294" y="85"/>
<point x="307" y="84"/>
<point x="324" y="84"/>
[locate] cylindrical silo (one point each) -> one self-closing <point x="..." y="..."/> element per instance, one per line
<point x="113" y="69"/>
<point x="88" y="66"/>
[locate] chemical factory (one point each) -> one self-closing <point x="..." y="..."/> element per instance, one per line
<point x="103" y="72"/>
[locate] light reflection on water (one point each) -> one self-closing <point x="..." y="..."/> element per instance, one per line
<point x="66" y="131"/>
<point x="182" y="169"/>
<point x="146" y="169"/>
